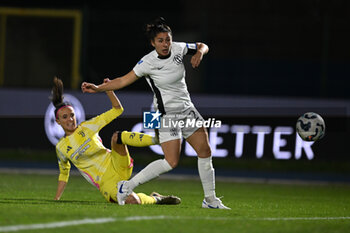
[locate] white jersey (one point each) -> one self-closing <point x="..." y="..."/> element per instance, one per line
<point x="166" y="77"/>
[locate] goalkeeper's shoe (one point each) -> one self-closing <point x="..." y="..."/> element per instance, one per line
<point x="165" y="200"/>
<point x="123" y="192"/>
<point x="215" y="204"/>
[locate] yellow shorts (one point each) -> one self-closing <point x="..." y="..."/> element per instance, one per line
<point x="119" y="169"/>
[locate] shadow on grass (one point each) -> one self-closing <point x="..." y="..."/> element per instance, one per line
<point x="39" y="201"/>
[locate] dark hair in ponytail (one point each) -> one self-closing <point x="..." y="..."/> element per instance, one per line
<point x="157" y="26"/>
<point x="57" y="95"/>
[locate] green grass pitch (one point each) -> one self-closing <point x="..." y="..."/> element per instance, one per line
<point x="28" y="199"/>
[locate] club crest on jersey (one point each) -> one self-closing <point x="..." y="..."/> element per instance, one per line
<point x="178" y="59"/>
<point x="81" y="133"/>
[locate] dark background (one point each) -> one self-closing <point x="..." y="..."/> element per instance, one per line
<point x="257" y="47"/>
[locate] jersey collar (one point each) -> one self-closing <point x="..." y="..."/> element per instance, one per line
<point x="165" y="57"/>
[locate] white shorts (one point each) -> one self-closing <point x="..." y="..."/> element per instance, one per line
<point x="178" y="125"/>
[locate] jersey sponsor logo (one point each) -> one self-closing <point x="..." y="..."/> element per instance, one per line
<point x="82" y="148"/>
<point x="140" y="62"/>
<point x="53" y="130"/>
<point x="82" y="151"/>
<point x="178" y="59"/>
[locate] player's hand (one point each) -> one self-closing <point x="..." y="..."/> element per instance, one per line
<point x="196" y="59"/>
<point x="107" y="80"/>
<point x="89" y="87"/>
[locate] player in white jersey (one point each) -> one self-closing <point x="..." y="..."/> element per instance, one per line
<point x="173" y="95"/>
<point x="164" y="70"/>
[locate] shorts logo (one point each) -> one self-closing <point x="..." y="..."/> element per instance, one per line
<point x="173" y="132"/>
<point x="178" y="59"/>
<point x="151" y="120"/>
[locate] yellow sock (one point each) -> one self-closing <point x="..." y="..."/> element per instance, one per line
<point x="145" y="199"/>
<point x="137" y="139"/>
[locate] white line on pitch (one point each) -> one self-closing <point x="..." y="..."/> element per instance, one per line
<point x="55" y="224"/>
<point x="300" y="218"/>
<point x="141" y="218"/>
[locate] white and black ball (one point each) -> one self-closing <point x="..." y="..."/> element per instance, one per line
<point x="311" y="127"/>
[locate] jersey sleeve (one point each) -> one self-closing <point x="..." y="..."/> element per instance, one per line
<point x="141" y="68"/>
<point x="97" y="123"/>
<point x="190" y="49"/>
<point x="187" y="48"/>
<point x="64" y="166"/>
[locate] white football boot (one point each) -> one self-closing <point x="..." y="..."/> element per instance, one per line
<point x="123" y="192"/>
<point x="215" y="204"/>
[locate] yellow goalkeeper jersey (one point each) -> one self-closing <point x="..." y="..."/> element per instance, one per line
<point x="85" y="150"/>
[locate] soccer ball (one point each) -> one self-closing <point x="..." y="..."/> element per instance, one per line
<point x="311" y="126"/>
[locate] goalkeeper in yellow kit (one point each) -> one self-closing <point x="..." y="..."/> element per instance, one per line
<point x="102" y="167"/>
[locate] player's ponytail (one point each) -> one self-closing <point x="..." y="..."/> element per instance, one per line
<point x="57" y="92"/>
<point x="157" y="26"/>
<point x="57" y="95"/>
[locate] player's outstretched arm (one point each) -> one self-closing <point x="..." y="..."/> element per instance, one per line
<point x="115" y="84"/>
<point x="112" y="97"/>
<point x="60" y="188"/>
<point x="196" y="59"/>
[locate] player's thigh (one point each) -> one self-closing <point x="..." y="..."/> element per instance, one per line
<point x="122" y="165"/>
<point x="117" y="171"/>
